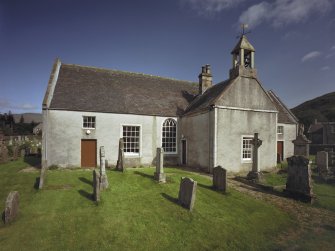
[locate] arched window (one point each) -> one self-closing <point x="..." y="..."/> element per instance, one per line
<point x="169" y="136"/>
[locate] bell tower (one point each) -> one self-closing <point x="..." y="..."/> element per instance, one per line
<point x="243" y="55"/>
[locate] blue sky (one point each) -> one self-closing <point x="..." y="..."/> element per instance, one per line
<point x="294" y="42"/>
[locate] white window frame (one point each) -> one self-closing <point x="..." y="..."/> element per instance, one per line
<point x="131" y="154"/>
<point x="95" y="122"/>
<point x="282" y="130"/>
<point x="246" y="160"/>
<point x="161" y="135"/>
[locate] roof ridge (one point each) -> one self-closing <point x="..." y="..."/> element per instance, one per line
<point x="129" y="72"/>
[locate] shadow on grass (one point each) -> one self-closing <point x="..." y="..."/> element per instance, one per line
<point x="206" y="186"/>
<point x="85" y="194"/>
<point x="144" y="175"/>
<point x="37" y="183"/>
<point x="330" y="180"/>
<point x="170" y="198"/>
<point x="87" y="181"/>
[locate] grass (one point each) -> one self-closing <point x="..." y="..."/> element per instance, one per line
<point x="135" y="213"/>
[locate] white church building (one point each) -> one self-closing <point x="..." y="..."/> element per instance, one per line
<point x="199" y="125"/>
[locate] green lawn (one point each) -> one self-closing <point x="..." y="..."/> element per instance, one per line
<point x="135" y="213"/>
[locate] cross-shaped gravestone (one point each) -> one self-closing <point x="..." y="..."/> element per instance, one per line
<point x="255" y="174"/>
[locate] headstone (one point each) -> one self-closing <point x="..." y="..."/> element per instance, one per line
<point x="120" y="161"/>
<point x="12" y="207"/>
<point x="96" y="186"/>
<point x="3" y="154"/>
<point x="331" y="157"/>
<point x="42" y="177"/>
<point x="103" y="175"/>
<point x="322" y="162"/>
<point x="187" y="192"/>
<point x="255" y="173"/>
<point x="299" y="184"/>
<point x="159" y="174"/>
<point x="220" y="178"/>
<point x="301" y="143"/>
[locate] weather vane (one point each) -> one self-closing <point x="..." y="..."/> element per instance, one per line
<point x="244" y="28"/>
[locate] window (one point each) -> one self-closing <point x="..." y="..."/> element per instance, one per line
<point x="131" y="138"/>
<point x="247" y="148"/>
<point x="169" y="136"/>
<point x="88" y="122"/>
<point x="280" y="129"/>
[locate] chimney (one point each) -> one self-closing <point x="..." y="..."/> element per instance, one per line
<point x="205" y="79"/>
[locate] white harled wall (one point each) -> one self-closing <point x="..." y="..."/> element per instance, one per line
<point x="63" y="134"/>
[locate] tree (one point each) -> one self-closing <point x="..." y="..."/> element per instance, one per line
<point x="21" y="119"/>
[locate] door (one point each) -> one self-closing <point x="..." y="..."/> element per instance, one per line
<point x="280" y="151"/>
<point x="183" y="151"/>
<point x="88" y="153"/>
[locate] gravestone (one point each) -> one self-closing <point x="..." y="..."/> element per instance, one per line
<point x="331" y="157"/>
<point x="3" y="154"/>
<point x="299" y="183"/>
<point x="187" y="192"/>
<point x="12" y="207"/>
<point x="96" y="186"/>
<point x="159" y="174"/>
<point x="301" y="143"/>
<point x="103" y="175"/>
<point x="120" y="161"/>
<point x="322" y="161"/>
<point x="220" y="178"/>
<point x="42" y="177"/>
<point x="255" y="173"/>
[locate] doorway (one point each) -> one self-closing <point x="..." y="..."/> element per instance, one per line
<point x="89" y="153"/>
<point x="280" y="151"/>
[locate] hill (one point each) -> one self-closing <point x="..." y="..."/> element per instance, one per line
<point x="28" y="117"/>
<point x="321" y="108"/>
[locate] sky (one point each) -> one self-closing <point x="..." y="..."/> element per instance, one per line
<point x="294" y="42"/>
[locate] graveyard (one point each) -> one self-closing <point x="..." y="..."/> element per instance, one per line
<point x="137" y="212"/>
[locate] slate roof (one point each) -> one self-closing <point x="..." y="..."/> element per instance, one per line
<point x="315" y="127"/>
<point x="243" y="43"/>
<point x="81" y="88"/>
<point x="208" y="98"/>
<point x="285" y="116"/>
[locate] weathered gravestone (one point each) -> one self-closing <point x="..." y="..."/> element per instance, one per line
<point x="159" y="174"/>
<point x="120" y="161"/>
<point x="299" y="184"/>
<point x="3" y="154"/>
<point x="220" y="178"/>
<point x="103" y="175"/>
<point x="255" y="173"/>
<point x="301" y="143"/>
<point x="187" y="192"/>
<point x="322" y="162"/>
<point x="12" y="207"/>
<point x="96" y="186"/>
<point x="43" y="175"/>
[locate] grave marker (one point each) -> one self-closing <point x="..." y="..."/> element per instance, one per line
<point x="187" y="192"/>
<point x="220" y="178"/>
<point x="12" y="207"/>
<point x="159" y="174"/>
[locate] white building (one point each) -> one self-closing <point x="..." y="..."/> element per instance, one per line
<point x="198" y="124"/>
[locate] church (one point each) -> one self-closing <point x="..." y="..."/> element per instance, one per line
<point x="199" y="125"/>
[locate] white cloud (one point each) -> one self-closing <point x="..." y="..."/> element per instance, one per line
<point x="333" y="47"/>
<point x="311" y="55"/>
<point x="5" y="104"/>
<point x="325" y="68"/>
<point x="284" y="12"/>
<point x="208" y="7"/>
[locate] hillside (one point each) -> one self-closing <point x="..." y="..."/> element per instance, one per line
<point x="28" y="117"/>
<point x="321" y="108"/>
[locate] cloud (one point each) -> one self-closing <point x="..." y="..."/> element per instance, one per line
<point x="311" y="55"/>
<point x="333" y="47"/>
<point x="6" y="105"/>
<point x="283" y="12"/>
<point x="209" y="7"/>
<point x="325" y="68"/>
<point x="330" y="55"/>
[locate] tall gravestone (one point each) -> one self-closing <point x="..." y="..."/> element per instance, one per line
<point x="96" y="186"/>
<point x="301" y="143"/>
<point x="322" y="162"/>
<point x="103" y="175"/>
<point x="159" y="174"/>
<point x="299" y="183"/>
<point x="187" y="192"/>
<point x="220" y="178"/>
<point x="120" y="161"/>
<point x="11" y="207"/>
<point x="42" y="177"/>
<point x="255" y="173"/>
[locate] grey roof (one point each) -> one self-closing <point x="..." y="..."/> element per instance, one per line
<point x="243" y="43"/>
<point x="285" y="116"/>
<point x="81" y="88"/>
<point x="315" y="127"/>
<point x="208" y="98"/>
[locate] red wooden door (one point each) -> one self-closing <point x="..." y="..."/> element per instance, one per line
<point x="280" y="151"/>
<point x="88" y="153"/>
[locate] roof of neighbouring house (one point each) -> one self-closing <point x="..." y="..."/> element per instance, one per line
<point x="82" y="88"/>
<point x="315" y="127"/>
<point x="285" y="116"/>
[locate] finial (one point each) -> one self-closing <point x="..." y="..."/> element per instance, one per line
<point x="244" y="28"/>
